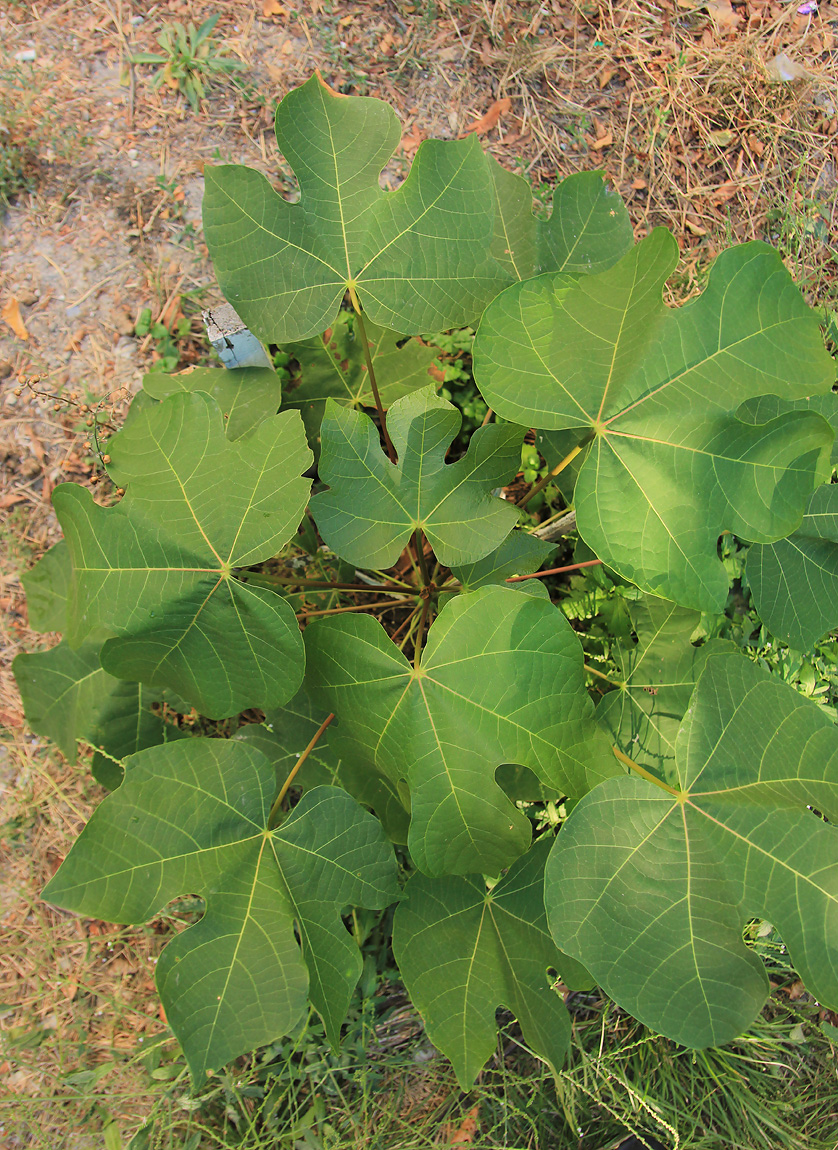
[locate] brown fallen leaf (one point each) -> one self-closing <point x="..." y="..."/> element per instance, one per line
<point x="272" y="8"/>
<point x="489" y="121"/>
<point x="723" y="16"/>
<point x="604" y="142"/>
<point x="10" y="499"/>
<point x="412" y="139"/>
<point x="11" y="314"/>
<point x="464" y="1134"/>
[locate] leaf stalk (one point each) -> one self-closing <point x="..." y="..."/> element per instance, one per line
<point x="283" y="790"/>
<point x="379" y="407"/>
<point x="555" y="570"/>
<point x="647" y="775"/>
<point x="542" y="483"/>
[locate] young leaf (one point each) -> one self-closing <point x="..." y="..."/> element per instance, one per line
<point x="192" y="818"/>
<point x="418" y="258"/>
<point x="463" y="951"/>
<point x="657" y="389"/>
<point x="246" y="395"/>
<point x="336" y="760"/>
<point x="588" y="229"/>
<point x="658" y="676"/>
<point x="373" y="506"/>
<point x="650" y="888"/>
<point x="519" y="554"/>
<point x="157" y="568"/>
<point x="500" y="681"/>
<point x="67" y="696"/>
<point x="333" y="366"/>
<point x="795" y="582"/>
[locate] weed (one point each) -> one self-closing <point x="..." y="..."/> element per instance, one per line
<point x="190" y="60"/>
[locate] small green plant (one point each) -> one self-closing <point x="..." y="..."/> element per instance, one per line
<point x="432" y="720"/>
<point x="190" y="60"/>
<point x="165" y="338"/>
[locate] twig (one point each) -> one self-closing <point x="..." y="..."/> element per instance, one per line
<point x="358" y="607"/>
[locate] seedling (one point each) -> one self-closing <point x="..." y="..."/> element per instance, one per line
<point x="189" y="60"/>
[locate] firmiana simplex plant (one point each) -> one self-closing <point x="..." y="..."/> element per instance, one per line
<point x="427" y="719"/>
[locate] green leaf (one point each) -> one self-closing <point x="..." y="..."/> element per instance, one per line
<point x="519" y="554"/>
<point x="669" y="466"/>
<point x="246" y="395"/>
<point x="336" y="760"/>
<point x="659" y="673"/>
<point x="333" y="366"/>
<point x="373" y="506"/>
<point x="67" y="696"/>
<point x="588" y="229"/>
<point x="500" y="681"/>
<point x="192" y="818"/>
<point x="794" y="583"/>
<point x="463" y="951"/>
<point x="767" y="407"/>
<point x="157" y="569"/>
<point x="651" y="889"/>
<point x="418" y="258"/>
<point x="46" y="585"/>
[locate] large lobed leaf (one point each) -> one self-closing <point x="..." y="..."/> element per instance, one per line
<point x="587" y="231"/>
<point x="464" y="950"/>
<point x="501" y="681"/>
<point x="373" y="506"/>
<point x="643" y="716"/>
<point x="246" y="395"/>
<point x="794" y="582"/>
<point x="192" y="818"/>
<point x="418" y="258"/>
<point x="157" y="569"/>
<point x="68" y="697"/>
<point x="651" y="888"/>
<point x="656" y="391"/>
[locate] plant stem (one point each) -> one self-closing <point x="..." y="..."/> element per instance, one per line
<point x="599" y="674"/>
<point x="555" y="570"/>
<point x="391" y="451"/>
<point x="327" y="584"/>
<point x="358" y="607"/>
<point x="542" y="483"/>
<point x="419" y="543"/>
<point x="283" y="791"/>
<point x="647" y="775"/>
<point x="417" y="649"/>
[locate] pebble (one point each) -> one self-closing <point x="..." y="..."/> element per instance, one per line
<point x="132" y="153"/>
<point x="6" y="368"/>
<point x="123" y="322"/>
<point x="27" y="297"/>
<point x="27" y="56"/>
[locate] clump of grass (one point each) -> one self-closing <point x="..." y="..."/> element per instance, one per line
<point x="190" y="60"/>
<point x="33" y="134"/>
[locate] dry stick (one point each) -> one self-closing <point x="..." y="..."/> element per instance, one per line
<point x="358" y="607"/>
<point x="391" y="451"/>
<point x="554" y="571"/>
<point x="647" y="775"/>
<point x="542" y="483"/>
<point x="284" y="788"/>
